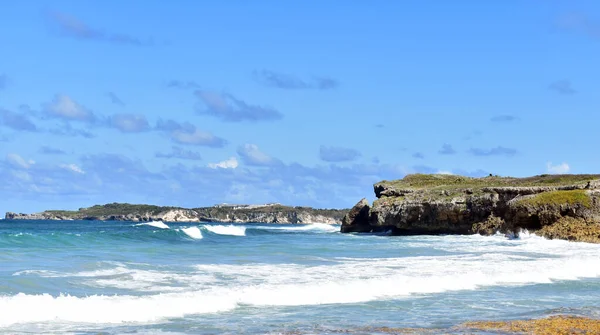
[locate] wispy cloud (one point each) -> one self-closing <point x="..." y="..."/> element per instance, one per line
<point x="115" y="99"/>
<point x="47" y="150"/>
<point x="71" y="26"/>
<point x="72" y="168"/>
<point x="558" y="169"/>
<point x="497" y="151"/>
<point x="17" y="121"/>
<point x="18" y="161"/>
<point x="230" y="163"/>
<point x="251" y="155"/>
<point x="183" y="85"/>
<point x="63" y="107"/>
<point x="129" y="123"/>
<point x="227" y="108"/>
<point x="562" y="87"/>
<point x="290" y="82"/>
<point x="186" y="133"/>
<point x="418" y="155"/>
<point x="67" y="130"/>
<point x="447" y="149"/>
<point x="338" y="154"/>
<point x="179" y="153"/>
<point x="504" y="118"/>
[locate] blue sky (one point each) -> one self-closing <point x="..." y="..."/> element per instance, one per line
<point x="193" y="103"/>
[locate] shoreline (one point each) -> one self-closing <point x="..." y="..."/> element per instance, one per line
<point x="560" y="324"/>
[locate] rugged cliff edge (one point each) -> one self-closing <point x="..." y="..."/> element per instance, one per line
<point x="270" y="213"/>
<point x="554" y="206"/>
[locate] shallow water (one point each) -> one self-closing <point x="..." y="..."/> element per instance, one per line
<point x="168" y="278"/>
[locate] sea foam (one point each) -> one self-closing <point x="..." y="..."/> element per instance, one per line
<point x="156" y="224"/>
<point x="226" y="230"/>
<point x="193" y="232"/>
<point x="323" y="227"/>
<point x="474" y="262"/>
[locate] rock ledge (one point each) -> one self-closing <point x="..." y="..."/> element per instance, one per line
<point x="554" y="206"/>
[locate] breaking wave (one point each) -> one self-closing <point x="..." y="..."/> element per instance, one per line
<point x="193" y="232"/>
<point x="212" y="288"/>
<point x="226" y="230"/>
<point x="156" y="224"/>
<point x="323" y="227"/>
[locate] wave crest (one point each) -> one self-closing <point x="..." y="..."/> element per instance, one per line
<point x="226" y="230"/>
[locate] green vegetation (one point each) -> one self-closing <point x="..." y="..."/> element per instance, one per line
<point x="440" y="181"/>
<point x="223" y="211"/>
<point x="112" y="209"/>
<point x="573" y="197"/>
<point x="207" y="212"/>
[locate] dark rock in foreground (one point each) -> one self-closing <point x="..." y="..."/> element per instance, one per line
<point x="555" y="206"/>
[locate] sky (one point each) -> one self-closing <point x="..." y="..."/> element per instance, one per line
<point x="305" y="103"/>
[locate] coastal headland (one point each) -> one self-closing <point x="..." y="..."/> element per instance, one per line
<point x="267" y="213"/>
<point x="554" y="206"/>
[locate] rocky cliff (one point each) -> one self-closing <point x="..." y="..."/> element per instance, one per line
<point x="273" y="213"/>
<point x="555" y="206"/>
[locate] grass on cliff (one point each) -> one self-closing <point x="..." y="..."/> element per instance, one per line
<point x="113" y="209"/>
<point x="441" y="181"/>
<point x="125" y="209"/>
<point x="574" y="197"/>
<point x="222" y="211"/>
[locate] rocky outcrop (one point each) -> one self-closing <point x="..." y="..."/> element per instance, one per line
<point x="566" y="207"/>
<point x="357" y="219"/>
<point x="177" y="215"/>
<point x="286" y="216"/>
<point x="272" y="213"/>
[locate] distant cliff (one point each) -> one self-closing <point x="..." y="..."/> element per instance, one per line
<point x="270" y="213"/>
<point x="554" y="206"/>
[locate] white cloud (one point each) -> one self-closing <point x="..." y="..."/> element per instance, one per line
<point x="19" y="161"/>
<point x="444" y="172"/>
<point x="252" y="155"/>
<point x="129" y="123"/>
<point x="64" y="107"/>
<point x="22" y="175"/>
<point x="197" y="137"/>
<point x="73" y="168"/>
<point x="558" y="169"/>
<point x="230" y="163"/>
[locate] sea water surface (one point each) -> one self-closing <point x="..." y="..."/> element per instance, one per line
<point x="86" y="277"/>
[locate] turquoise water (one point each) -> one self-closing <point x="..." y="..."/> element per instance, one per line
<point x="119" y="277"/>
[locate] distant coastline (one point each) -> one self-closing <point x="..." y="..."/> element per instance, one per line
<point x="225" y="213"/>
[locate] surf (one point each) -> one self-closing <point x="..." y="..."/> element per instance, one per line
<point x="155" y="224"/>
<point x="193" y="232"/>
<point x="226" y="230"/>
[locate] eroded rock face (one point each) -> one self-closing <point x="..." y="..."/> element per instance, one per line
<point x="565" y="211"/>
<point x="357" y="219"/>
<point x="276" y="215"/>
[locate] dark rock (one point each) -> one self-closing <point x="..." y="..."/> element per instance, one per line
<point x="556" y="206"/>
<point x="357" y="219"/>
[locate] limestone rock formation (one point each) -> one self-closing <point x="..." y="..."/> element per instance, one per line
<point x="557" y="206"/>
<point x="357" y="219"/>
<point x="269" y="213"/>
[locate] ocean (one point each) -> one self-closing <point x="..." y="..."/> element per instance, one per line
<point x="87" y="277"/>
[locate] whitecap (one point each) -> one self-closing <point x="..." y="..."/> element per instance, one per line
<point x="156" y="224"/>
<point x="330" y="228"/>
<point x="226" y="230"/>
<point x="193" y="232"/>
